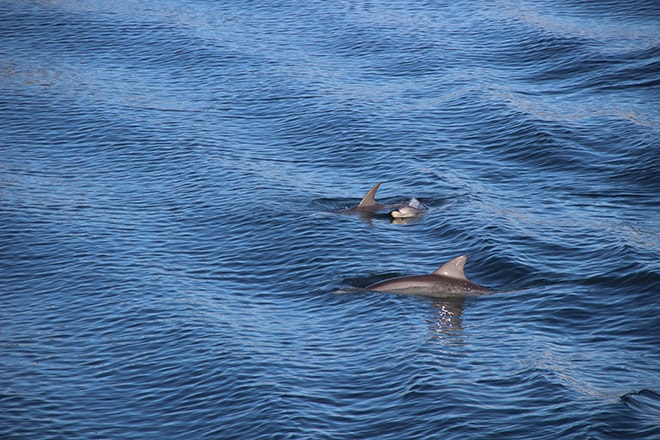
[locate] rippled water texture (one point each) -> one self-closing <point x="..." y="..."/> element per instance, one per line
<point x="171" y="257"/>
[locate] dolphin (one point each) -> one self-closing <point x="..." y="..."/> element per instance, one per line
<point x="448" y="280"/>
<point x="411" y="209"/>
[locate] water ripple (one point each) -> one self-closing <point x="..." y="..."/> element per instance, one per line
<point x="171" y="255"/>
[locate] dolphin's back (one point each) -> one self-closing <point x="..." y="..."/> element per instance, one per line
<point x="429" y="285"/>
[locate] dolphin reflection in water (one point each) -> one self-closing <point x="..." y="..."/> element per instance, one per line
<point x="447" y="287"/>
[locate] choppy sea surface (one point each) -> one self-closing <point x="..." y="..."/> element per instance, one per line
<point x="172" y="263"/>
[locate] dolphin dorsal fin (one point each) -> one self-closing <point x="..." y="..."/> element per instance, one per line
<point x="454" y="268"/>
<point x="370" y="198"/>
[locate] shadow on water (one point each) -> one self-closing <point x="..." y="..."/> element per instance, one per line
<point x="644" y="419"/>
<point x="645" y="401"/>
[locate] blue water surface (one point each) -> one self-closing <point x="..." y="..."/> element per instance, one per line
<point x="172" y="264"/>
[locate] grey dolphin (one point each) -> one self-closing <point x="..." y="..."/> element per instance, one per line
<point x="411" y="209"/>
<point x="448" y="280"/>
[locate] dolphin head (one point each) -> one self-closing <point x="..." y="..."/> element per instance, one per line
<point x="411" y="209"/>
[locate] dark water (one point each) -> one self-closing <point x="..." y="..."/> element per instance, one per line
<point x="169" y="257"/>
